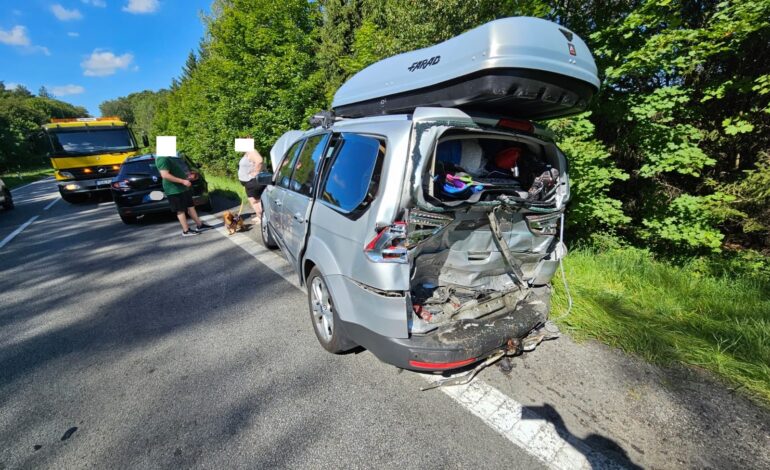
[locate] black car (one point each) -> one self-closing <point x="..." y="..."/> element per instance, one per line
<point x="137" y="189"/>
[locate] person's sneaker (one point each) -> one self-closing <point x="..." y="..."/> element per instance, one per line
<point x="190" y="233"/>
<point x="204" y="226"/>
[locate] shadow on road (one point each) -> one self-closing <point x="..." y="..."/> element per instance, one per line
<point x="601" y="452"/>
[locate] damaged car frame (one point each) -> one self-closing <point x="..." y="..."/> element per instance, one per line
<point x="428" y="231"/>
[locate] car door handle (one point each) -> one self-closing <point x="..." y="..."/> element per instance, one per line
<point x="299" y="217"/>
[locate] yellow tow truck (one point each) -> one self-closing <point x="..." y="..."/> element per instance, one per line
<point x="87" y="153"/>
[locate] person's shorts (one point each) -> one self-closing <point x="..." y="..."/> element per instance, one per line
<point x="180" y="202"/>
<point x="253" y="189"/>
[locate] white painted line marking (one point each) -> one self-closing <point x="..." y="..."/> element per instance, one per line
<point x="528" y="431"/>
<point x="30" y="184"/>
<point x="52" y="203"/>
<point x="10" y="237"/>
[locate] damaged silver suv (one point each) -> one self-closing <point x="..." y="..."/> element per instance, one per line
<point x="423" y="216"/>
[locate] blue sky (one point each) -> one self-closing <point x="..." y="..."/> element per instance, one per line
<point x="88" y="51"/>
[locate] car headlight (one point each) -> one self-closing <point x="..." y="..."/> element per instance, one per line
<point x="66" y="174"/>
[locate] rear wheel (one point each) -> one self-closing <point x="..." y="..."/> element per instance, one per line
<point x="267" y="237"/>
<point x="8" y="203"/>
<point x="128" y="219"/>
<point x="324" y="315"/>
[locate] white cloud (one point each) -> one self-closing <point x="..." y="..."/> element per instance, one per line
<point x="12" y="86"/>
<point x="17" y="36"/>
<point x="73" y="34"/>
<point x="103" y="63"/>
<point x="142" y="6"/>
<point x="96" y="3"/>
<point x="65" y="15"/>
<point x="65" y="90"/>
<point x="36" y="49"/>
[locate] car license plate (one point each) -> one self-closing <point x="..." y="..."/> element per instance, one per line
<point x="104" y="181"/>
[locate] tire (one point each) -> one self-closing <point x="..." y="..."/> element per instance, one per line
<point x="323" y="315"/>
<point x="8" y="203"/>
<point x="267" y="237"/>
<point x="128" y="219"/>
<point x="72" y="198"/>
<point x="207" y="207"/>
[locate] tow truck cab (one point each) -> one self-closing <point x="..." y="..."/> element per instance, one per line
<point x="87" y="153"/>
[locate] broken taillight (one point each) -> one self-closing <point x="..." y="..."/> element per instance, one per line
<point x="388" y="246"/>
<point x="544" y="224"/>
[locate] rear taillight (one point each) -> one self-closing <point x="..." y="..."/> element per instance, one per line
<point x="388" y="246"/>
<point x="544" y="224"/>
<point x="192" y="176"/>
<point x="121" y="185"/>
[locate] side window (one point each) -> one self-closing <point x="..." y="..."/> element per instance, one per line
<point x="354" y="176"/>
<point x="283" y="176"/>
<point x="306" y="169"/>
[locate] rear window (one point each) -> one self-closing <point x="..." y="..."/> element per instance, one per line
<point x="354" y="177"/>
<point x="147" y="167"/>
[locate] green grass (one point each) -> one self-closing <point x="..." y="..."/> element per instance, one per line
<point x="227" y="187"/>
<point x="671" y="314"/>
<point x="16" y="179"/>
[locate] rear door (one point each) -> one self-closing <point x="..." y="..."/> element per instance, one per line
<point x="298" y="196"/>
<point x="275" y="194"/>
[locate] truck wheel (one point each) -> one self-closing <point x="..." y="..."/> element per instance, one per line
<point x="8" y="203"/>
<point x="72" y="198"/>
<point x="128" y="219"/>
<point x="267" y="237"/>
<point x="323" y="315"/>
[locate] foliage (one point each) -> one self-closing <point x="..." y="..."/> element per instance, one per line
<point x="672" y="314"/>
<point x="20" y="178"/>
<point x="138" y="110"/>
<point x="591" y="175"/>
<point x="21" y="114"/>
<point x="255" y="74"/>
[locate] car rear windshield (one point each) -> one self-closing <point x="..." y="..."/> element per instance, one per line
<point x="147" y="167"/>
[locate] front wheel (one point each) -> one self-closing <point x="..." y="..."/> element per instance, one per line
<point x="326" y="324"/>
<point x="8" y="203"/>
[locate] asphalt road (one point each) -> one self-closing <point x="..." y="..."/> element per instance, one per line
<point x="166" y="351"/>
<point x="130" y="346"/>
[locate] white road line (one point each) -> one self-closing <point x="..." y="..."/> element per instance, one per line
<point x="527" y="430"/>
<point x="10" y="237"/>
<point x="30" y="184"/>
<point x="52" y="203"/>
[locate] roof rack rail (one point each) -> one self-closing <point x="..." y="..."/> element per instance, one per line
<point x="324" y="119"/>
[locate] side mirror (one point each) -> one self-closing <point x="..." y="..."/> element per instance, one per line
<point x="145" y="140"/>
<point x="265" y="178"/>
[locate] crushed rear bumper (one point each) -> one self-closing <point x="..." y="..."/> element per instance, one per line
<point x="457" y="344"/>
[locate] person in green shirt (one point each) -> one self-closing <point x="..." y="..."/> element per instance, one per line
<point x="177" y="189"/>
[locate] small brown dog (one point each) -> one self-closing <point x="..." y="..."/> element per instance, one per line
<point x="233" y="223"/>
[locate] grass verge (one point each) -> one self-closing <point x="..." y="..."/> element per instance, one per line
<point x="227" y="187"/>
<point x="16" y="179"/>
<point x="669" y="314"/>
